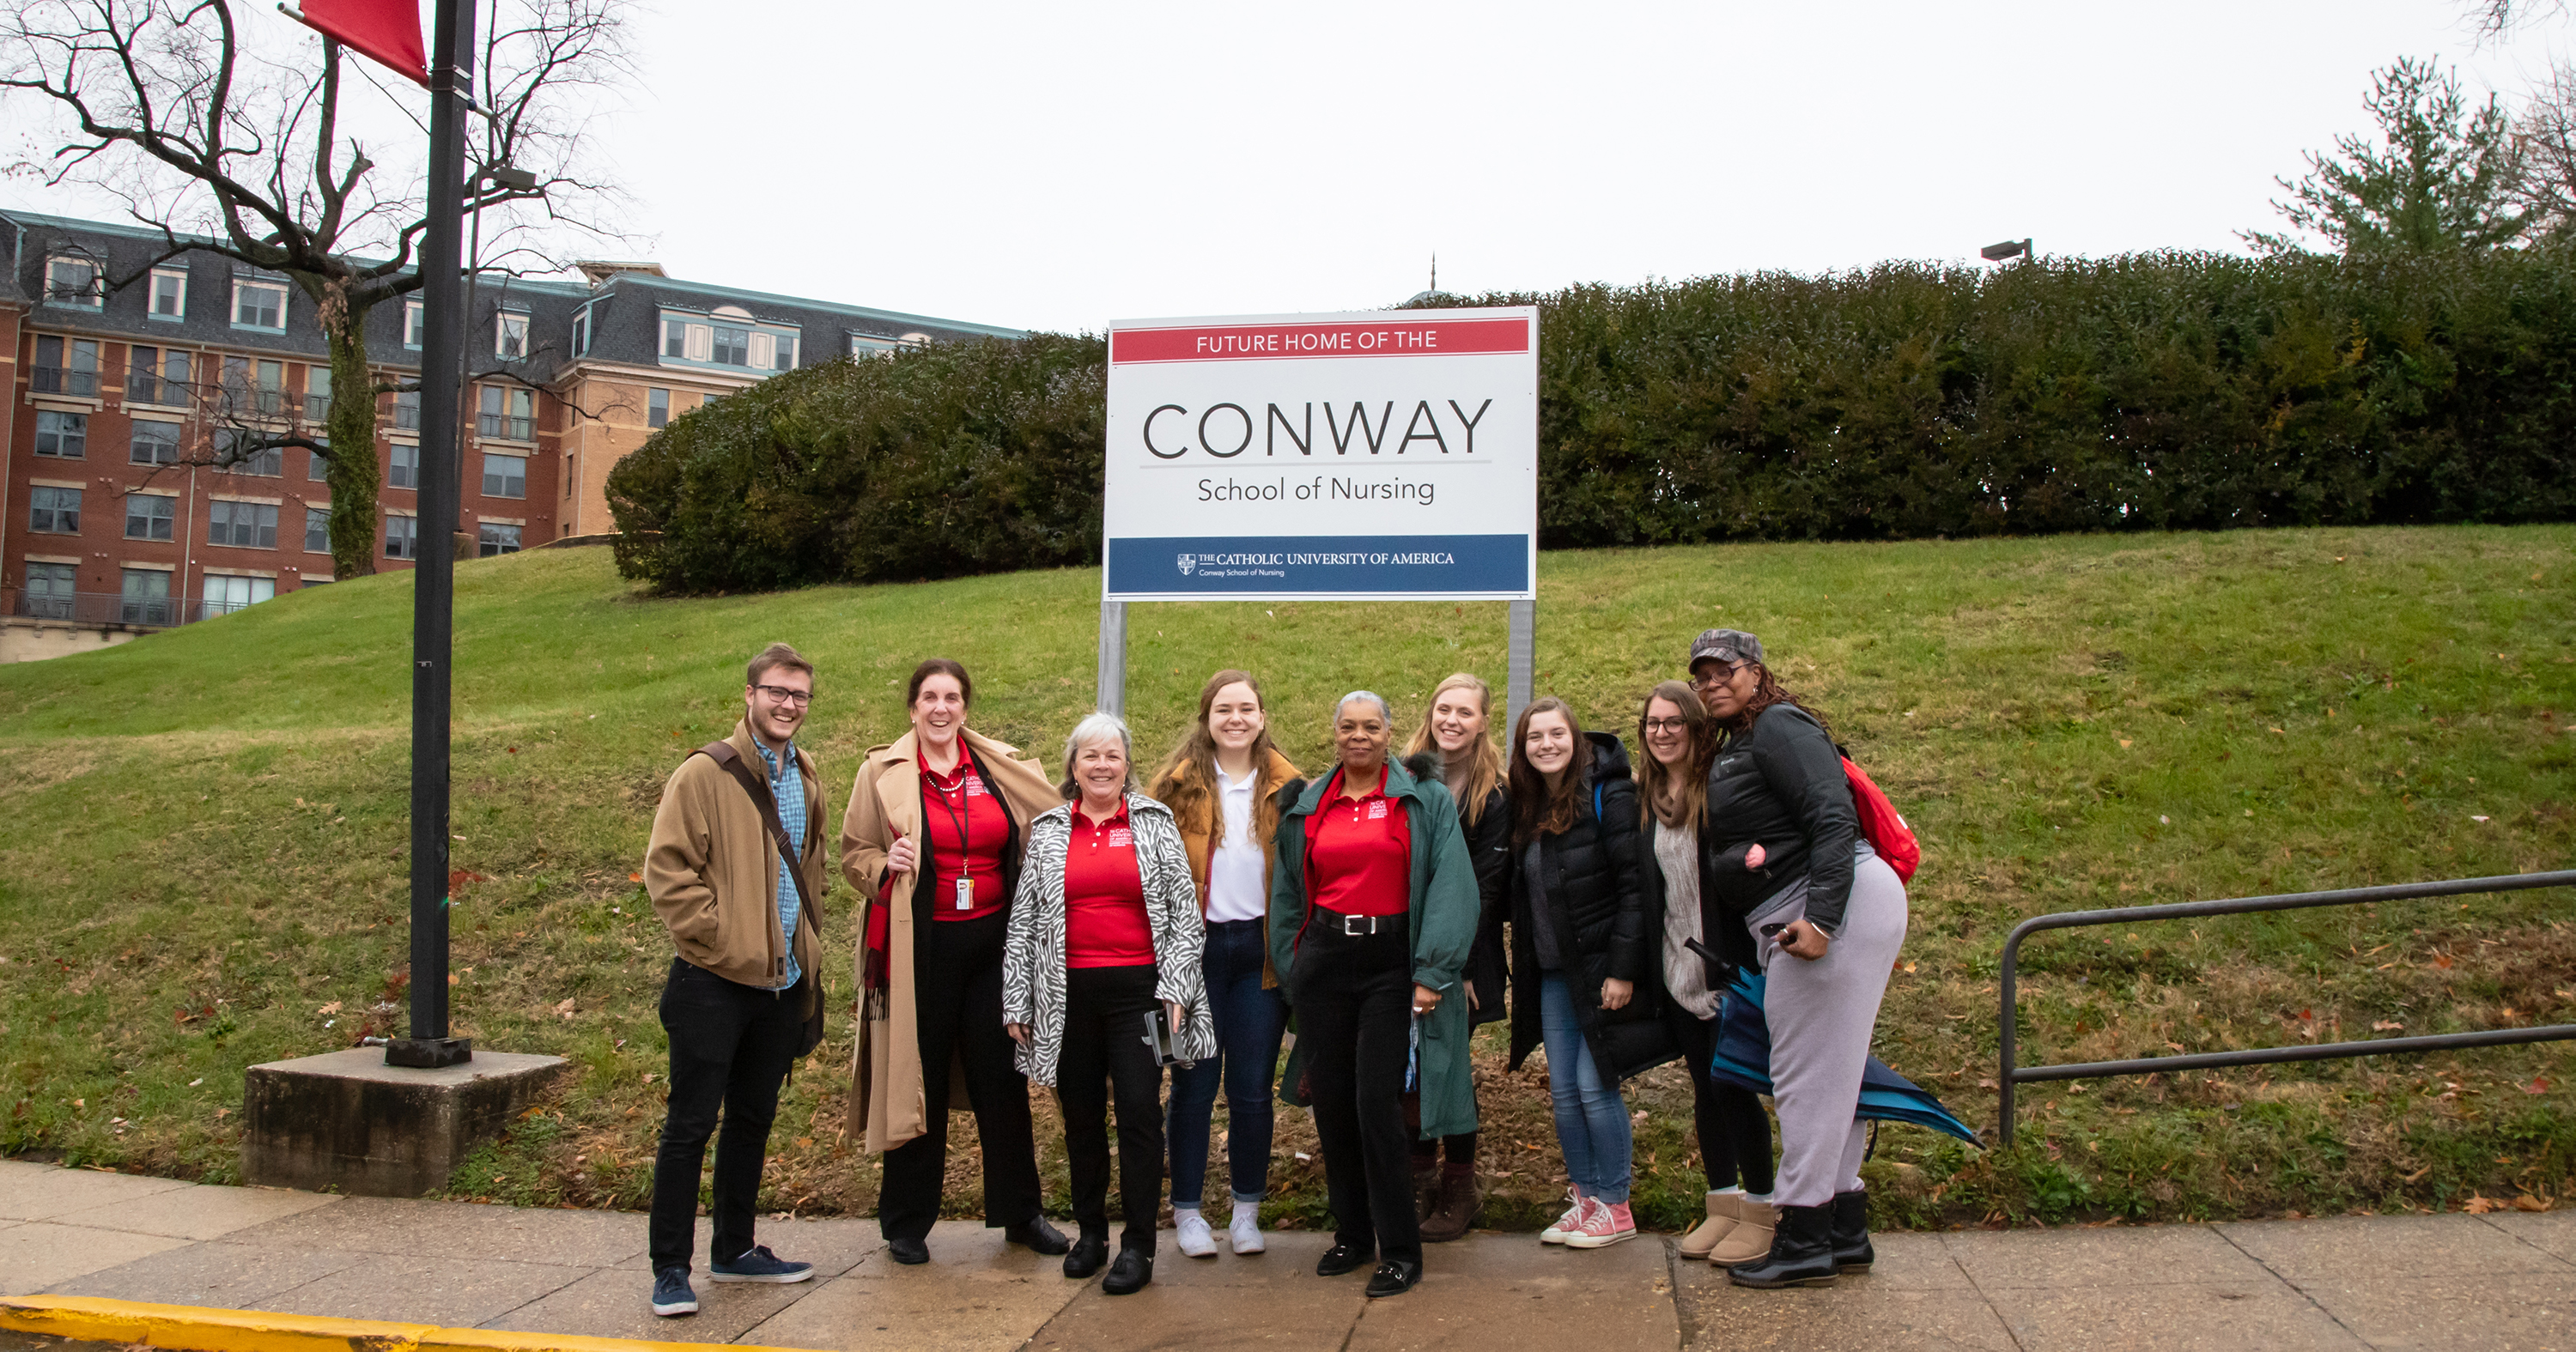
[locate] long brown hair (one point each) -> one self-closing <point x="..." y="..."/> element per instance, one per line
<point x="1689" y="783"/>
<point x="1484" y="765"/>
<point x="1536" y="809"/>
<point x="1186" y="780"/>
<point x="1766" y="692"/>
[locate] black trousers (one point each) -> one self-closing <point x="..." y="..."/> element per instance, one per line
<point x="957" y="1005"/>
<point x="1104" y="1056"/>
<point x="1353" y="997"/>
<point x="731" y="1046"/>
<point x="1734" y="1132"/>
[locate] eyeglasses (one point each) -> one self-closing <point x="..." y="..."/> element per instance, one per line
<point x="1654" y="725"/>
<point x="780" y="694"/>
<point x="1718" y="676"/>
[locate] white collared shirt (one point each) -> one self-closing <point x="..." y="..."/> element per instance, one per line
<point x="1238" y="884"/>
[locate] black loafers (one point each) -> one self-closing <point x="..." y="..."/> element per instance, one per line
<point x="1341" y="1258"/>
<point x="911" y="1251"/>
<point x="1038" y="1235"/>
<point x="1129" y="1274"/>
<point x="1089" y="1252"/>
<point x="1393" y="1277"/>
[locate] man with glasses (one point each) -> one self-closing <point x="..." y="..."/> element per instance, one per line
<point x="737" y="856"/>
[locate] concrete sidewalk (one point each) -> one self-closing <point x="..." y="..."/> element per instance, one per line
<point x="2505" y="1281"/>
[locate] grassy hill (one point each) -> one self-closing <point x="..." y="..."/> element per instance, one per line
<point x="204" y="860"/>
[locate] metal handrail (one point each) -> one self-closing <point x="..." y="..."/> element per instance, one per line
<point x="2008" y="1013"/>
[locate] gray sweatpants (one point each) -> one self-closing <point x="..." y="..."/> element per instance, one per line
<point x="1821" y="1015"/>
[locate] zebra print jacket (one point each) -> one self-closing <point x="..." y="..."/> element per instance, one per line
<point x="1033" y="958"/>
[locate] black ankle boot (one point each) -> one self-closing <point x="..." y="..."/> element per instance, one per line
<point x="1851" y="1233"/>
<point x="1130" y="1274"/>
<point x="1802" y="1251"/>
<point x="1087" y="1253"/>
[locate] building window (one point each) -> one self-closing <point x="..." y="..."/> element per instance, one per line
<point x="148" y="516"/>
<point x="732" y="346"/>
<point x="317" y="530"/>
<point x="497" y="539"/>
<point x="49" y="591"/>
<point x="156" y="376"/>
<point x="415" y="318"/>
<point x="317" y="394"/>
<point x="581" y="332"/>
<point x="404" y="471"/>
<point x="259" y="305"/>
<point x="687" y="341"/>
<point x="407" y="410"/>
<point x="63" y="435"/>
<point x="786" y="355"/>
<point x="154" y="443"/>
<point x="245" y="525"/>
<point x="402" y="540"/>
<point x="147" y="596"/>
<point x="508" y="414"/>
<point x="169" y="293"/>
<point x="65" y="366"/>
<point x="505" y="476"/>
<point x="241" y="453"/>
<point x="254" y="388"/>
<point x="510" y="336"/>
<point x="224" y="595"/>
<point x="74" y="283"/>
<point x="56" y="511"/>
<point x="657" y="408"/>
<point x="317" y="467"/>
<point x="571" y="474"/>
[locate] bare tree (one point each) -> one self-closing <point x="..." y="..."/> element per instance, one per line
<point x="2495" y="18"/>
<point x="238" y="145"/>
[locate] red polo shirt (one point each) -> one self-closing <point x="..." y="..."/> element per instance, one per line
<point x="1104" y="896"/>
<point x="967" y="828"/>
<point x="1361" y="852"/>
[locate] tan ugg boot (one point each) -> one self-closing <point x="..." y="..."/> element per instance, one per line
<point x="1723" y="1212"/>
<point x="1751" y="1237"/>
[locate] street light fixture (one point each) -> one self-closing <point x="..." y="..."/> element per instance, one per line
<point x="2011" y="248"/>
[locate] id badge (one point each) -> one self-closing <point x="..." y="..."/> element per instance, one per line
<point x="966" y="893"/>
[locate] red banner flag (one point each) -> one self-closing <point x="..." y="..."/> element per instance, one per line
<point x="385" y="31"/>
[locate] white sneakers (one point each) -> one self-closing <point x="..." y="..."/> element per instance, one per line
<point x="1246" y="1230"/>
<point x="1194" y="1239"/>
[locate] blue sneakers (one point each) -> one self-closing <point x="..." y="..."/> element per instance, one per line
<point x="671" y="1293"/>
<point x="758" y="1264"/>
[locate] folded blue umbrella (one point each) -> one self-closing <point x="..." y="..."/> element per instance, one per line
<point x="1744" y="1058"/>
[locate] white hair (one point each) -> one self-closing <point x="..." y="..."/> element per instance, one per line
<point x="1372" y="697"/>
<point x="1094" y="727"/>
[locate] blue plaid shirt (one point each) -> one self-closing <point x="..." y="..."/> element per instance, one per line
<point x="788" y="788"/>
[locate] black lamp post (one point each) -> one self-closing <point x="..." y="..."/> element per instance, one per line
<point x="2009" y="249"/>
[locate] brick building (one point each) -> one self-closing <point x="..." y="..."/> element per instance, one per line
<point x="115" y="526"/>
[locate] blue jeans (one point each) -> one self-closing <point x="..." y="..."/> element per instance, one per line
<point x="1249" y="1021"/>
<point x="1591" y="1118"/>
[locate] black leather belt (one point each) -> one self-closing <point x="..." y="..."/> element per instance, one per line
<point x="1356" y="925"/>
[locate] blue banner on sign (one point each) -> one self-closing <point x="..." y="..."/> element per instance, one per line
<point x="1259" y="565"/>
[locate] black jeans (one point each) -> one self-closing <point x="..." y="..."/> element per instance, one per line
<point x="1734" y="1132"/>
<point x="731" y="1046"/>
<point x="957" y="1006"/>
<point x="1353" y="998"/>
<point x="1103" y="1056"/>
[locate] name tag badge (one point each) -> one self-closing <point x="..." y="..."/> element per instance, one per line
<point x="1376" y="809"/>
<point x="966" y="894"/>
<point x="1120" y="837"/>
<point x="975" y="787"/>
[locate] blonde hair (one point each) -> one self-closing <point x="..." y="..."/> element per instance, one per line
<point x="1095" y="727"/>
<point x="1484" y="769"/>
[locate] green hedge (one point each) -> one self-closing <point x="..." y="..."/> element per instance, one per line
<point x="2151" y="391"/>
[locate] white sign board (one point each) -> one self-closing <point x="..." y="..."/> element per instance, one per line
<point x="1377" y="456"/>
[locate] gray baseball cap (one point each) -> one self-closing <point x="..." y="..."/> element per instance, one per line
<point x="1723" y="645"/>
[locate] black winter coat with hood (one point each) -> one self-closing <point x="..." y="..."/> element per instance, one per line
<point x="1596" y="896"/>
<point x="1780" y="785"/>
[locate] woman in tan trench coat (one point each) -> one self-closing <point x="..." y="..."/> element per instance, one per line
<point x="932" y="841"/>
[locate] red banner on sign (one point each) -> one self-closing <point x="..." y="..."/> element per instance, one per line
<point x="386" y="31"/>
<point x="1279" y="342"/>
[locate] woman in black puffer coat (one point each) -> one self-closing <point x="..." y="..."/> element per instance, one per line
<point x="1583" y="958"/>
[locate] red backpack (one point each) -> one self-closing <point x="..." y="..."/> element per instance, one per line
<point x="1888" y="834"/>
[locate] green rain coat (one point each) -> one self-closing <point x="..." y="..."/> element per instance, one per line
<point x="1441" y="922"/>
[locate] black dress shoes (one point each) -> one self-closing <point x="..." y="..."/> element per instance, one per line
<point x="1038" y="1235"/>
<point x="910" y="1251"/>
<point x="1129" y="1274"/>
<point x="1341" y="1258"/>
<point x="1089" y="1252"/>
<point x="1393" y="1277"/>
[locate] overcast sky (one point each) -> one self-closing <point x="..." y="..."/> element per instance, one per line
<point x="1060" y="166"/>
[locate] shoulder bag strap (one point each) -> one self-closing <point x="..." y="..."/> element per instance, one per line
<point x="723" y="754"/>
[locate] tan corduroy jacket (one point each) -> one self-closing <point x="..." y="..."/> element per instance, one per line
<point x="885" y="801"/>
<point x="1197" y="819"/>
<point x="713" y="873"/>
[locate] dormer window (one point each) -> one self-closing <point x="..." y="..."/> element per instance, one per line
<point x="74" y="283"/>
<point x="259" y="305"/>
<point x="169" y="293"/>
<point x="510" y="336"/>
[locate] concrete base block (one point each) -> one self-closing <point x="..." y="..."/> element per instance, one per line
<point x="348" y="1122"/>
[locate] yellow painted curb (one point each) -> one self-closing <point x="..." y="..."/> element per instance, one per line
<point x="192" y="1328"/>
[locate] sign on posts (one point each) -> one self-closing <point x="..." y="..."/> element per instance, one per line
<point x="1374" y="456"/>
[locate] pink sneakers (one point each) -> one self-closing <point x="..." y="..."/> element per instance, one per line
<point x="1602" y="1226"/>
<point x="1569" y="1222"/>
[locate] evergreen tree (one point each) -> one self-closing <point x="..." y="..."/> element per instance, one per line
<point x="2441" y="176"/>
